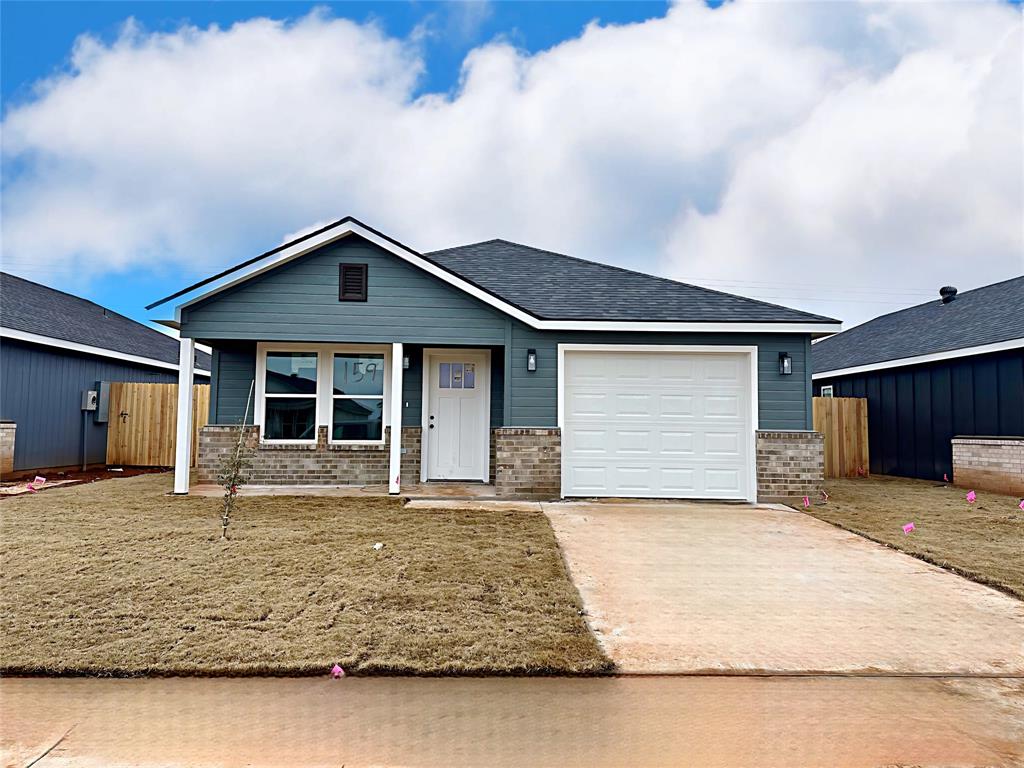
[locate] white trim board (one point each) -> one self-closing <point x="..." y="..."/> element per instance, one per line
<point x="344" y="229"/>
<point x="74" y="346"/>
<point x="751" y="351"/>
<point x="999" y="346"/>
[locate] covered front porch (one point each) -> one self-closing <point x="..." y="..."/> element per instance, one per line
<point x="325" y="416"/>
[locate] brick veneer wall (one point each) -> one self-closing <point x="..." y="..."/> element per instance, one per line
<point x="322" y="464"/>
<point x="528" y="462"/>
<point x="989" y="463"/>
<point x="8" y="430"/>
<point x="789" y="464"/>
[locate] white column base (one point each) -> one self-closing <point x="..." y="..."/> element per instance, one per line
<point x="395" y="463"/>
<point x="183" y="437"/>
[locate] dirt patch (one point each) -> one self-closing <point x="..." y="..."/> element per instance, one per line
<point x="983" y="541"/>
<point x="121" y="579"/>
<point x="14" y="485"/>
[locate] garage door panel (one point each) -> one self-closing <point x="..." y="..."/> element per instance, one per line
<point x="722" y="480"/>
<point x="656" y="424"/>
<point x="723" y="443"/>
<point x="722" y="405"/>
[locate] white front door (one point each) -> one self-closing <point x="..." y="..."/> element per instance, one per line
<point x="457" y="419"/>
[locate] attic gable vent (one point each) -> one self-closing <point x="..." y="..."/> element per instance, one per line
<point x="352" y="282"/>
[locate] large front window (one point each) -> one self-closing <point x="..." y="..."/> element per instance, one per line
<point x="290" y="393"/>
<point x="357" y="397"/>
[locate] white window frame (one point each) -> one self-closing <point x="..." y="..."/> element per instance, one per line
<point x="324" y="394"/>
<point x="826" y="391"/>
<point x="328" y="363"/>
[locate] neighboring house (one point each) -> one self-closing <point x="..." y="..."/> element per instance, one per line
<point x="950" y="367"/>
<point x="544" y="374"/>
<point x="54" y="346"/>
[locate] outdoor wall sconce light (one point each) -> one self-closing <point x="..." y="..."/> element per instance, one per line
<point x="531" y="360"/>
<point x="785" y="364"/>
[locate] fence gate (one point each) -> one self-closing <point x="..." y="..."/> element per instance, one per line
<point x="844" y="423"/>
<point x="143" y="419"/>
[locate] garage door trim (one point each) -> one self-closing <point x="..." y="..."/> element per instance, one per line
<point x="750" y="351"/>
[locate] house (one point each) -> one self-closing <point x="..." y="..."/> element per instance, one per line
<point x="55" y="346"/>
<point x="950" y="368"/>
<point x="544" y="374"/>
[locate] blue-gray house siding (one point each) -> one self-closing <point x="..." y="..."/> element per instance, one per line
<point x="42" y="393"/>
<point x="299" y="302"/>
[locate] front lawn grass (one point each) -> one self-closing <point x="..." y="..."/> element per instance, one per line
<point x="983" y="541"/>
<point x="117" y="578"/>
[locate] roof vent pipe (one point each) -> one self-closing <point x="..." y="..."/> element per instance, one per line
<point x="948" y="293"/>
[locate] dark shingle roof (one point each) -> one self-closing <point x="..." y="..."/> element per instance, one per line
<point x="985" y="315"/>
<point x="552" y="286"/>
<point x="34" y="308"/>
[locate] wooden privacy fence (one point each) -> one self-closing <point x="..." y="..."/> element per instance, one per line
<point x="844" y="423"/>
<point x="143" y="419"/>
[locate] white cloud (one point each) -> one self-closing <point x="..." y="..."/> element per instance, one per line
<point x="769" y="149"/>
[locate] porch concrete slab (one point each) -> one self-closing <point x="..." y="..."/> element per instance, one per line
<point x="691" y="588"/>
<point x="493" y="505"/>
<point x="417" y="491"/>
<point x="208" y="489"/>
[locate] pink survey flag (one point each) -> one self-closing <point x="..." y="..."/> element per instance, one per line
<point x="945" y="477"/>
<point x="39" y="480"/>
<point x="807" y="502"/>
<point x="1021" y="505"/>
<point x="824" y="496"/>
<point x="971" y="497"/>
<point x="337" y="672"/>
<point x="908" y="528"/>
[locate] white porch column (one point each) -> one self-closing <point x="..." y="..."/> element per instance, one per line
<point x="183" y="439"/>
<point x="395" y="465"/>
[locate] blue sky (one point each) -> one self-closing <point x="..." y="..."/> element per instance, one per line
<point x="846" y="158"/>
<point x="37" y="38"/>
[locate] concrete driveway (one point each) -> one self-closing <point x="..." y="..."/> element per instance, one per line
<point x="687" y="587"/>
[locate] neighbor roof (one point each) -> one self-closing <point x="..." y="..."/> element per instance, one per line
<point x="553" y="286"/>
<point x="983" y="316"/>
<point x="32" y="308"/>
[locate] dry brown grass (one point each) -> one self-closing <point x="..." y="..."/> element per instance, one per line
<point x="116" y="578"/>
<point x="983" y="541"/>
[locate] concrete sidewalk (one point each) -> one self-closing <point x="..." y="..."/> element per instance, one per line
<point x="684" y="588"/>
<point x="504" y="722"/>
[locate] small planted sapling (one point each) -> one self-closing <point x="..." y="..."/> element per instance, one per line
<point x="234" y="469"/>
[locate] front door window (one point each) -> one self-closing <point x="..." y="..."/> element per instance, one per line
<point x="457" y="376"/>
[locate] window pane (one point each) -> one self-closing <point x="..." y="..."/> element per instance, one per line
<point x="291" y="373"/>
<point x="358" y="374"/>
<point x="469" y="377"/>
<point x="358" y="419"/>
<point x="456" y="375"/>
<point x="446" y="375"/>
<point x="290" y="418"/>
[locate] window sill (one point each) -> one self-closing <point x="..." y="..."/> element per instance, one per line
<point x="275" y="445"/>
<point x="361" y="445"/>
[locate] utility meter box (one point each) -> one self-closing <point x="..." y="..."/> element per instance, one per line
<point x="102" y="414"/>
<point x="90" y="399"/>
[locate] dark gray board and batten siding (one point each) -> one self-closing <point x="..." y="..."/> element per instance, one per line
<point x="299" y="302"/>
<point x="915" y="411"/>
<point x="42" y="393"/>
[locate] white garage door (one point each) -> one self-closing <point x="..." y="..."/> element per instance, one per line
<point x="657" y="424"/>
